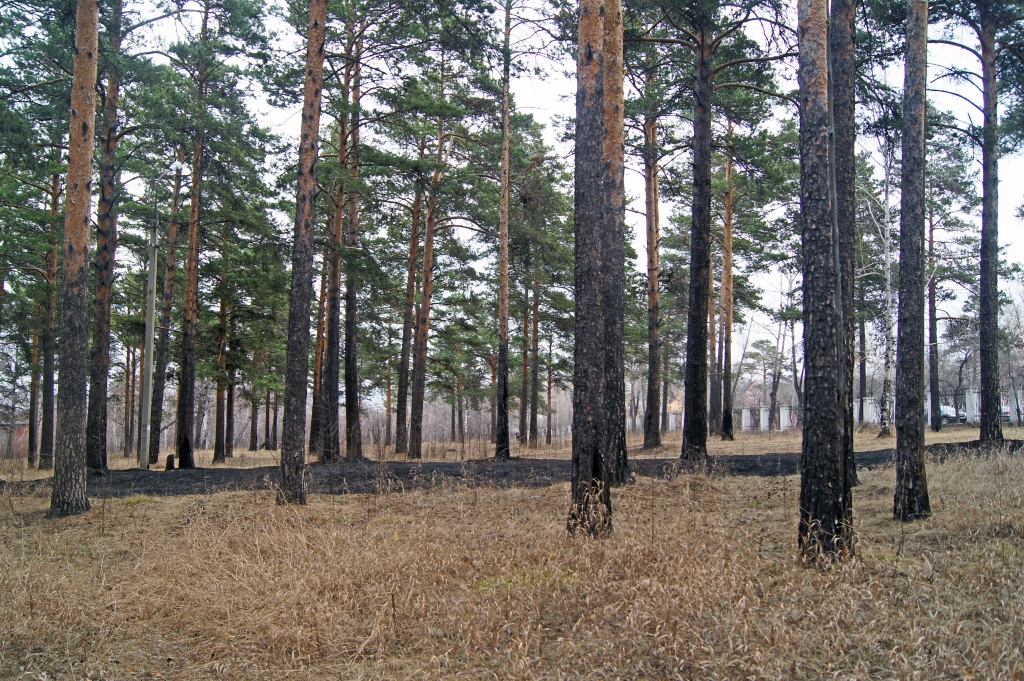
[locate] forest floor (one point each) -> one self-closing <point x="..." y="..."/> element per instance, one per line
<point x="751" y="453"/>
<point x="475" y="577"/>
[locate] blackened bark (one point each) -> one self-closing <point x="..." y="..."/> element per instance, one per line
<point x="727" y="292"/>
<point x="273" y="424"/>
<point x="408" y="321"/>
<point x="862" y="392"/>
<point x="106" y="247"/>
<point x="664" y="386"/>
<point x="591" y="507"/>
<point x="49" y="329"/>
<point x="293" y="450"/>
<point x="229" y="420"/>
<point x="254" y="425"/>
<point x="33" y="398"/>
<point x="353" y="426"/>
<point x="524" y="384"/>
<point x="501" y="434"/>
<point x="219" y="447"/>
<point x="535" y="361"/>
<point x="714" y="354"/>
<point x="910" y="500"/>
<point x="695" y="383"/>
<point x="825" y="527"/>
<point x="614" y="249"/>
<point x="69" y="475"/>
<point x="933" y="337"/>
<point x="318" y="364"/>
<point x="266" y="422"/>
<point x="166" y="306"/>
<point x="844" y="91"/>
<point x="652" y="434"/>
<point x="330" y="425"/>
<point x="185" y="445"/>
<point x="988" y="317"/>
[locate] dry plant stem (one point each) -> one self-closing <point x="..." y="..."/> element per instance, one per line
<point x="69" y="475"/>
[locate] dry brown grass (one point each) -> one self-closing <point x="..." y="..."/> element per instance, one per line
<point x="700" y="580"/>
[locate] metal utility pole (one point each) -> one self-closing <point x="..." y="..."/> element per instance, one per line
<point x="147" y="362"/>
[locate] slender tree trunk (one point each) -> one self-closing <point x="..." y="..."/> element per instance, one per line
<point x="547" y="418"/>
<point x="254" y="425"/>
<point x="825" y="513"/>
<point x="493" y="361"/>
<point x="106" y="246"/>
<point x="652" y="434"/>
<point x="501" y="444"/>
<point x="187" y="366"/>
<point x="535" y="361"/>
<point x="330" y="435"/>
<point x="219" y="442"/>
<point x="266" y="423"/>
<point x="715" y="387"/>
<point x="293" y="450"/>
<point x="910" y="500"/>
<point x="933" y="335"/>
<point x="591" y="506"/>
<point x="664" y="387"/>
<point x="863" y="360"/>
<point x="695" y="388"/>
<point x="131" y="387"/>
<point x="69" y="476"/>
<point x="229" y="420"/>
<point x="353" y="424"/>
<point x="727" y="292"/>
<point x="419" y="373"/>
<point x="166" y="307"/>
<point x="33" y="397"/>
<point x="409" y="319"/>
<point x="318" y="363"/>
<point x="525" y="383"/>
<point x="49" y="330"/>
<point x="988" y="317"/>
<point x="614" y="254"/>
<point x="199" y="419"/>
<point x="273" y="422"/>
<point x="387" y="398"/>
<point x="885" y="403"/>
<point x="842" y="47"/>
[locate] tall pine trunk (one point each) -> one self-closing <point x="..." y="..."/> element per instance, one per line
<point x="844" y="123"/>
<point x="501" y="436"/>
<point x="535" y="360"/>
<point x="69" y="475"/>
<point x="33" y="397"/>
<point x="330" y="426"/>
<point x="988" y="315"/>
<point x="727" y="292"/>
<point x="695" y="388"/>
<point x="318" y="363"/>
<point x="652" y="433"/>
<point x="825" y="527"/>
<point x="591" y="506"/>
<point x="293" y="450"/>
<point x="614" y="249"/>
<point x="254" y="424"/>
<point x="911" y="497"/>
<point x="409" y="319"/>
<point x="185" y="445"/>
<point x="166" y="306"/>
<point x="715" y="387"/>
<point x="353" y="425"/>
<point x="219" y="442"/>
<point x="49" y="330"/>
<point x="524" y="384"/>
<point x="933" y="334"/>
<point x="106" y="246"/>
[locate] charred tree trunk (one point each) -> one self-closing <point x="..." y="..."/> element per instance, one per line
<point x="825" y="527"/>
<point x="535" y="361"/>
<point x="715" y="387"/>
<point x="863" y="360"/>
<point x="49" y="331"/>
<point x="254" y="425"/>
<point x="933" y="336"/>
<point x="293" y="450"/>
<point x="273" y="423"/>
<point x="106" y="246"/>
<point x="409" y="320"/>
<point x="591" y="506"/>
<point x="330" y="427"/>
<point x="614" y="249"/>
<point x="910" y="500"/>
<point x="353" y="425"/>
<point x="69" y="475"/>
<point x="988" y="316"/>
<point x="266" y="423"/>
<point x="187" y="367"/>
<point x="695" y="388"/>
<point x="387" y="397"/>
<point x="727" y="294"/>
<point x="229" y="418"/>
<point x="652" y="434"/>
<point x="156" y="416"/>
<point x="501" y="436"/>
<point x="219" y="441"/>
<point x="664" y="387"/>
<point x="844" y="85"/>
<point x="419" y="373"/>
<point x="318" y="364"/>
<point x="33" y="397"/>
<point x="547" y="418"/>
<point x="525" y="382"/>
